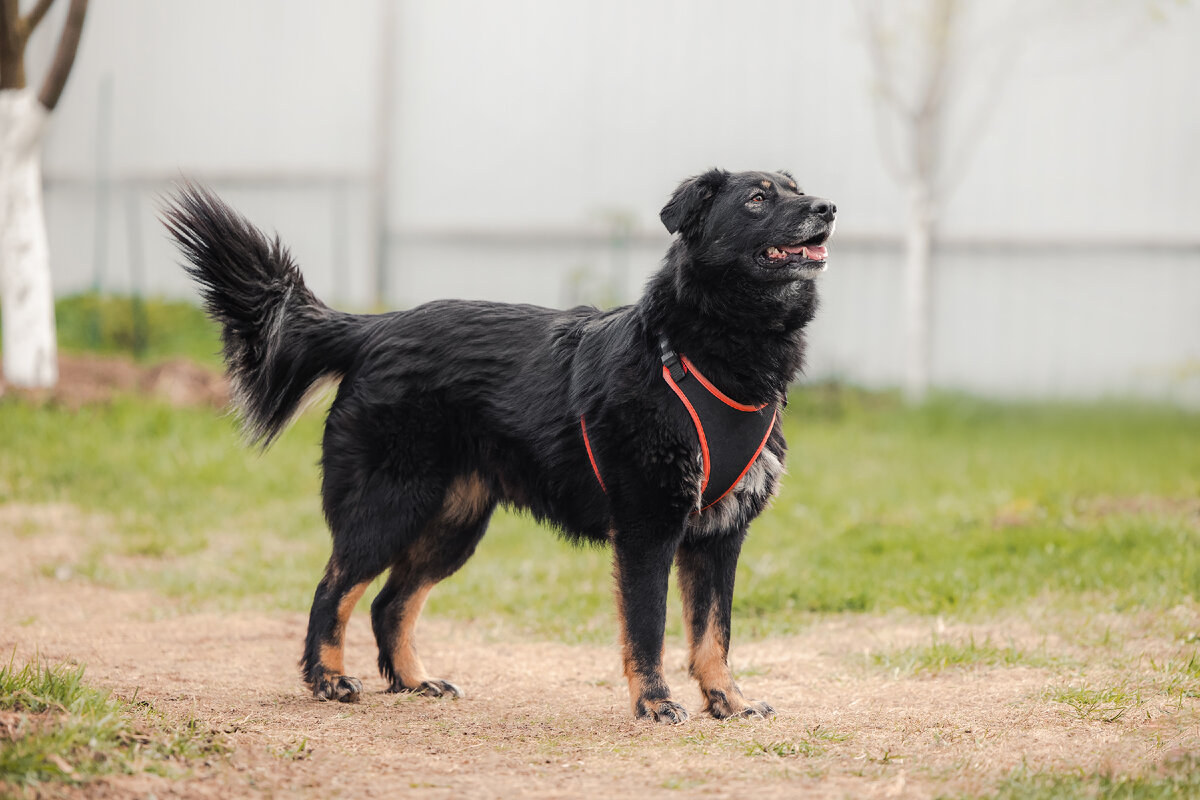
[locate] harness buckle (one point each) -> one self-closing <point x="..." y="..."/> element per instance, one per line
<point x="670" y="359"/>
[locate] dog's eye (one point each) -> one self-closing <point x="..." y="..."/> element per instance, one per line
<point x="758" y="198"/>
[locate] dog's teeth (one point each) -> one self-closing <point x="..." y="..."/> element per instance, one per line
<point x="804" y="252"/>
<point x="774" y="252"/>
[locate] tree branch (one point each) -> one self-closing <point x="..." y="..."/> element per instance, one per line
<point x="954" y="162"/>
<point x="879" y="52"/>
<point x="929" y="121"/>
<point x="64" y="57"/>
<point x="888" y="102"/>
<point x="35" y="15"/>
<point x="12" y="46"/>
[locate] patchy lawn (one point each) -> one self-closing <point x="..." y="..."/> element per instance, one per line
<point x="961" y="600"/>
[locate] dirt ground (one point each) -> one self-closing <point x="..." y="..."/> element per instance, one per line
<point x="85" y="379"/>
<point x="545" y="719"/>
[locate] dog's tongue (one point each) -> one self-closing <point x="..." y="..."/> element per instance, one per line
<point x="811" y="252"/>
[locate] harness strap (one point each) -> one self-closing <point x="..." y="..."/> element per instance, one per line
<point x="587" y="444"/>
<point x="735" y="435"/>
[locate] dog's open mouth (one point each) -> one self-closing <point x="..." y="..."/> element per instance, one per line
<point x="807" y="257"/>
<point x="797" y="253"/>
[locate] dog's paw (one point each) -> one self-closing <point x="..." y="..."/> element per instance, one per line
<point x="723" y="706"/>
<point x="338" y="687"/>
<point x="434" y="687"/>
<point x="667" y="711"/>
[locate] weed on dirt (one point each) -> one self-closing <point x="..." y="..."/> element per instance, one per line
<point x="54" y="728"/>
<point x="942" y="654"/>
<point x="1179" y="781"/>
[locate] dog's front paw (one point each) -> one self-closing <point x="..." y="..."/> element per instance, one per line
<point x="667" y="711"/>
<point x="338" y="687"/>
<point x="722" y="705"/>
<point x="433" y="687"/>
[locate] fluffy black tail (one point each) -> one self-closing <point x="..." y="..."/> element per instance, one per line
<point x="279" y="338"/>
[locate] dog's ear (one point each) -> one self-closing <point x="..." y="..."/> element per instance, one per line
<point x="689" y="204"/>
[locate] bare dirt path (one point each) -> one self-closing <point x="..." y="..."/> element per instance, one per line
<point x="544" y="719"/>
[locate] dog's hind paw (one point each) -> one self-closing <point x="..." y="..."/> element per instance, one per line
<point x="721" y="706"/>
<point x="433" y="687"/>
<point x="667" y="711"/>
<point x="338" y="687"/>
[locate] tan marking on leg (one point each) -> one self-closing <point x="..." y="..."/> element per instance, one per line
<point x="331" y="659"/>
<point x="466" y="499"/>
<point x="707" y="658"/>
<point x="409" y="670"/>
<point x="332" y="652"/>
<point x="709" y="662"/>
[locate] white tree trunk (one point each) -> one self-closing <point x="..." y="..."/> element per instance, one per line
<point x="918" y="246"/>
<point x="26" y="292"/>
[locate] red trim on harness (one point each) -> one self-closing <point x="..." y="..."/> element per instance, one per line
<point x="714" y="391"/>
<point x="753" y="458"/>
<point x="591" y="458"/>
<point x="695" y="419"/>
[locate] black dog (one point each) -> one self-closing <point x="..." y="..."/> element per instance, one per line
<point x="608" y="425"/>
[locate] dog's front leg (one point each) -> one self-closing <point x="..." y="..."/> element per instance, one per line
<point x="706" y="572"/>
<point x="642" y="563"/>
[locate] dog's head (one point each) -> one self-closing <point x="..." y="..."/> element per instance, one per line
<point x="760" y="221"/>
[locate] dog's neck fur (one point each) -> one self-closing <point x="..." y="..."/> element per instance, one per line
<point x="747" y="337"/>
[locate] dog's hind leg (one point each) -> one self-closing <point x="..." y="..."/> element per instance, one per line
<point x="443" y="547"/>
<point x="706" y="576"/>
<point x="369" y="519"/>
<point x="322" y="664"/>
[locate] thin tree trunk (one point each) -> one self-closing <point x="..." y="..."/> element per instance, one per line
<point x="918" y="283"/>
<point x="26" y="295"/>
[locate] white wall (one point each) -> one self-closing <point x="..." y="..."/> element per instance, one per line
<point x="520" y="127"/>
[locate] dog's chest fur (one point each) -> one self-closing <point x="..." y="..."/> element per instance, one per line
<point x="747" y="499"/>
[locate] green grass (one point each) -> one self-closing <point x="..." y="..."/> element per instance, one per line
<point x="150" y="329"/>
<point x="1178" y="782"/>
<point x="960" y="506"/>
<point x="1179" y="676"/>
<point x="206" y="519"/>
<point x="814" y="743"/>
<point x="64" y="731"/>
<point x="964" y="506"/>
<point x="942" y="654"/>
<point x="1106" y="704"/>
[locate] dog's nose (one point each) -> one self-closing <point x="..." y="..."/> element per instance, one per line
<point x="825" y="209"/>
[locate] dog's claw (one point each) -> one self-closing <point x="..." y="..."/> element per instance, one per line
<point x="439" y="688"/>
<point x="756" y="710"/>
<point x="342" y="688"/>
<point x="434" y="687"/>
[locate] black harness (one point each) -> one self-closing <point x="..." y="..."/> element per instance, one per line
<point x="732" y="434"/>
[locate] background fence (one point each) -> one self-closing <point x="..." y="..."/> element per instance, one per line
<point x="520" y="151"/>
